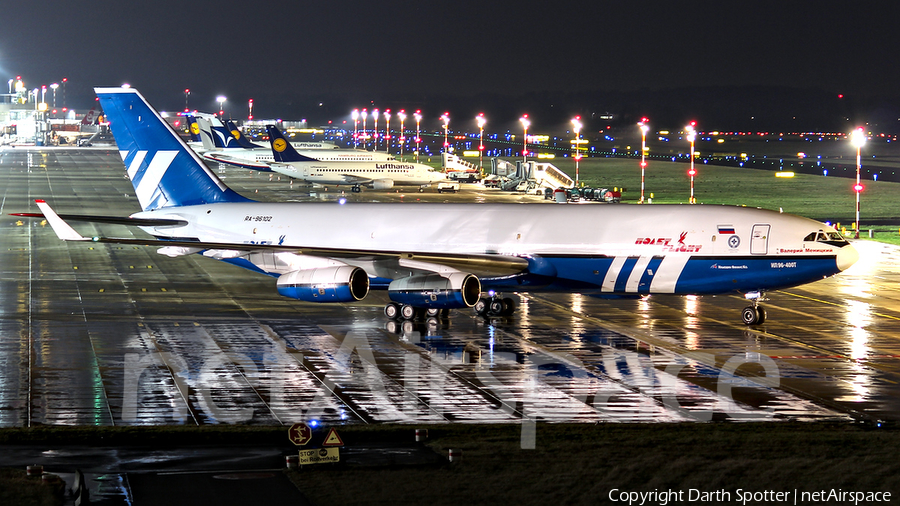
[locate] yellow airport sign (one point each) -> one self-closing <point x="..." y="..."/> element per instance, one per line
<point x="320" y="456"/>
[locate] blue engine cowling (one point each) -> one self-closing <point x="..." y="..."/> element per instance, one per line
<point x="450" y="290"/>
<point x="343" y="283"/>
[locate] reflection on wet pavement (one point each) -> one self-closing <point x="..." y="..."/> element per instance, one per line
<point x="110" y="335"/>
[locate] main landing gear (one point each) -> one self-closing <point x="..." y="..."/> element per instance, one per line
<point x="494" y="305"/>
<point x="755" y="314"/>
<point x="396" y="311"/>
<point x="489" y="306"/>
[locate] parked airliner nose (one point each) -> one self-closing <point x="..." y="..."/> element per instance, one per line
<point x="846" y="257"/>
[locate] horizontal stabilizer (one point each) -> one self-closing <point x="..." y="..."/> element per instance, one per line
<point x="62" y="229"/>
<point x="115" y="220"/>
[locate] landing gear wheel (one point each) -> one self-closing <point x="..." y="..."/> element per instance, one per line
<point x="432" y="312"/>
<point x="392" y="310"/>
<point x="750" y="315"/>
<point x="356" y="189"/>
<point x="481" y="307"/>
<point x="496" y="306"/>
<point x="762" y="314"/>
<point x="407" y="312"/>
<point x="509" y="306"/>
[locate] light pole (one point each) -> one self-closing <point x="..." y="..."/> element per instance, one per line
<point x="481" y="121"/>
<point x="364" y="114"/>
<point x="53" y="87"/>
<point x="402" y="116"/>
<point x="858" y="138"/>
<point x="10" y="85"/>
<point x="374" y="129"/>
<point x="250" y="104"/>
<point x="418" y="116"/>
<point x="387" y="130"/>
<point x="576" y="127"/>
<point x="221" y="100"/>
<point x="525" y="124"/>
<point x="355" y="116"/>
<point x="691" y="135"/>
<point x="644" y="129"/>
<point x="446" y="119"/>
<point x="187" y="93"/>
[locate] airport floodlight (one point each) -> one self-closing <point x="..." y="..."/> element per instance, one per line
<point x="375" y="129"/>
<point x="387" y="130"/>
<point x="691" y="136"/>
<point x="355" y="116"/>
<point x="418" y="116"/>
<point x="54" y="87"/>
<point x="364" y="114"/>
<point x="644" y="129"/>
<point x="576" y="127"/>
<point x="446" y="119"/>
<point x="858" y="139"/>
<point x="480" y="119"/>
<point x="525" y="124"/>
<point x="221" y="100"/>
<point x="402" y="115"/>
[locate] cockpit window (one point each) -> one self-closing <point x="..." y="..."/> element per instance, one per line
<point x="832" y="238"/>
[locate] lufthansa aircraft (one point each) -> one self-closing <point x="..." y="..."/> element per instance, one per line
<point x="380" y="175"/>
<point x="332" y="252"/>
<point x="227" y="145"/>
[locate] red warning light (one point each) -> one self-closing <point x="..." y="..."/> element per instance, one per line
<point x="858" y="188"/>
<point x="692" y="172"/>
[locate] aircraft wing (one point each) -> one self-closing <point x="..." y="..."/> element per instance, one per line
<point x="351" y="179"/>
<point x="480" y="264"/>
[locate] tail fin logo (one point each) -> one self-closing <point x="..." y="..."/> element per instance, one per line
<point x="195" y="128"/>
<point x="279" y="145"/>
<point x="236" y="133"/>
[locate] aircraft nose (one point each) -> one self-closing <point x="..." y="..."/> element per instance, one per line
<point x="846" y="257"/>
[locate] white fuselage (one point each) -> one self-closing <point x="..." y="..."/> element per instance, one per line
<point x="353" y="173"/>
<point x="610" y="247"/>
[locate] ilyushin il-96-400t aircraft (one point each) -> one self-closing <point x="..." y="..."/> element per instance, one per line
<point x="432" y="257"/>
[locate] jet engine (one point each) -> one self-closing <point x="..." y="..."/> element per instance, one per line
<point x="450" y="290"/>
<point x="342" y="283"/>
<point x="382" y="184"/>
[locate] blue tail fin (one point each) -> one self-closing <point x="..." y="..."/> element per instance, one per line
<point x="222" y="136"/>
<point x="282" y="149"/>
<point x="193" y="127"/>
<point x="241" y="140"/>
<point x="165" y="172"/>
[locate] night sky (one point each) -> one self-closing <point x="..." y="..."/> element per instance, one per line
<point x="290" y="56"/>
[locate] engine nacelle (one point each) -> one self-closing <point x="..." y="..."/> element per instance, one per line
<point x="382" y="184"/>
<point x="342" y="283"/>
<point x="450" y="290"/>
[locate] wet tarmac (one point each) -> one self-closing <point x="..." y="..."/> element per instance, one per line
<point x="120" y="335"/>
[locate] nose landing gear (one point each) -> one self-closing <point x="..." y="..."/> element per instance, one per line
<point x="755" y="314"/>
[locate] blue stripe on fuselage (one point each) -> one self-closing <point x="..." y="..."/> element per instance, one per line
<point x="624" y="274"/>
<point x="701" y="275"/>
<point x="649" y="272"/>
